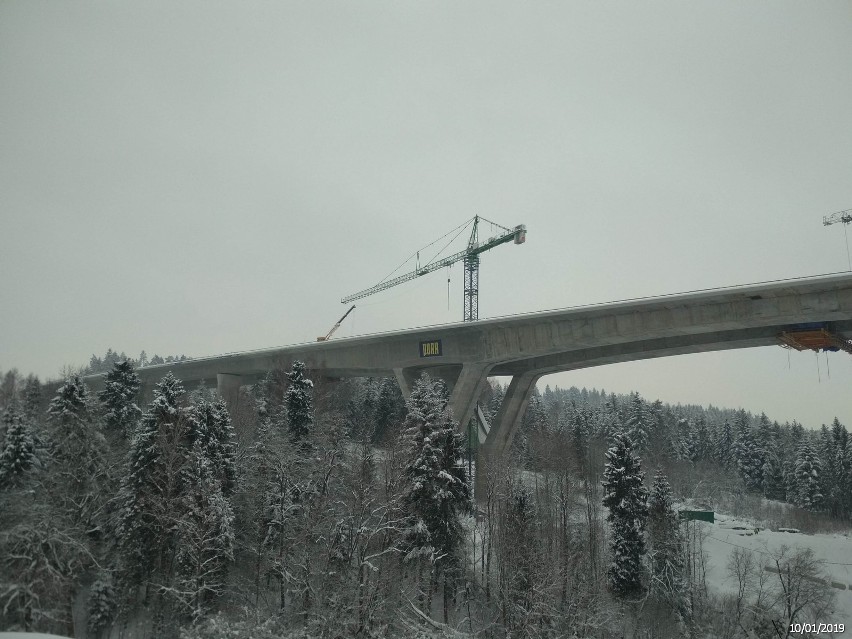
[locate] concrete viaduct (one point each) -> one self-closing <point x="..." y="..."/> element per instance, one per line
<point x="529" y="346"/>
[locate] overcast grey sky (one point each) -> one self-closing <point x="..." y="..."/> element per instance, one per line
<point x="210" y="177"/>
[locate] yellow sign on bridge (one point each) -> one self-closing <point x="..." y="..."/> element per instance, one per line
<point x="431" y="348"/>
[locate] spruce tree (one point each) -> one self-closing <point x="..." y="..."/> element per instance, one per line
<point x="78" y="451"/>
<point x="18" y="453"/>
<point x="519" y="572"/>
<point x="725" y="445"/>
<point x="204" y="535"/>
<point x="300" y="409"/>
<point x="497" y="395"/>
<point x="119" y="397"/>
<point x="638" y="425"/>
<point x="626" y="498"/>
<point x="840" y="496"/>
<point x="101" y="606"/>
<point x="32" y="399"/>
<point x="535" y="418"/>
<point x="701" y="443"/>
<point x="774" y="485"/>
<point x="580" y="438"/>
<point x="808" y="484"/>
<point x="209" y="425"/>
<point x="749" y="459"/>
<point x="390" y="409"/>
<point x="666" y="544"/>
<point x="437" y="490"/>
<point x="9" y="388"/>
<point x="151" y="483"/>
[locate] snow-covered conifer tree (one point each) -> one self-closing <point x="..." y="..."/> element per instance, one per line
<point x="626" y="498"/>
<point x="119" y="397"/>
<point x="9" y="388"/>
<point x="210" y="427"/>
<point x="32" y="399"/>
<point x="579" y="433"/>
<point x="497" y="395"/>
<point x="638" y="425"/>
<point x="437" y="489"/>
<point x="520" y="573"/>
<point x="535" y="418"/>
<point x="300" y="408"/>
<point x="774" y="486"/>
<point x="808" y="485"/>
<point x="151" y="482"/>
<point x="18" y="454"/>
<point x="390" y="408"/>
<point x="79" y="449"/>
<point x="205" y="535"/>
<point x="101" y="606"/>
<point x="701" y="447"/>
<point x="724" y="451"/>
<point x="666" y="546"/>
<point x="749" y="459"/>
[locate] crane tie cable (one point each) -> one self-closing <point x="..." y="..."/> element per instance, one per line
<point x="463" y="224"/>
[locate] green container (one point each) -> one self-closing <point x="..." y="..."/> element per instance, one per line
<point x="698" y="515"/>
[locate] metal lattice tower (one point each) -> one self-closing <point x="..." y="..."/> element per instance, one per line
<point x="471" y="288"/>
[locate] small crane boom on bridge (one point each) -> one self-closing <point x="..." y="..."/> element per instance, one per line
<point x="470" y="257"/>
<point x="336" y="326"/>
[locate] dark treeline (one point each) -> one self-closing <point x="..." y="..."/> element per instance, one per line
<point x="811" y="469"/>
<point x="111" y="358"/>
<point x="315" y="509"/>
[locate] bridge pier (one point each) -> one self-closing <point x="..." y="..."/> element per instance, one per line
<point x="466" y="391"/>
<point x="464" y="382"/>
<point x="228" y="387"/>
<point x="146" y="394"/>
<point x="406" y="377"/>
<point x="506" y="423"/>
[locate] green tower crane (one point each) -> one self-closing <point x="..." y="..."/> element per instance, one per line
<point x="469" y="256"/>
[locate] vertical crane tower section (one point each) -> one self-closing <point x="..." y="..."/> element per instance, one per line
<point x="469" y="256"/>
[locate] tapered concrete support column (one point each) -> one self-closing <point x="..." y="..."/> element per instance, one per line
<point x="503" y="429"/>
<point x="465" y="384"/>
<point x="405" y="377"/>
<point x="146" y="395"/>
<point x="466" y="391"/>
<point x="228" y="387"/>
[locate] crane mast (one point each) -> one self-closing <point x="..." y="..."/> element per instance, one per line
<point x="469" y="256"/>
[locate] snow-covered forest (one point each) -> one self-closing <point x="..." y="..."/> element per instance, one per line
<point x="308" y="508"/>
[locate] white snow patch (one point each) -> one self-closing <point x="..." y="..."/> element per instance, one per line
<point x="833" y="550"/>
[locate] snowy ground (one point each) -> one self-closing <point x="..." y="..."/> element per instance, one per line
<point x="835" y="550"/>
<point x="27" y="635"/>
